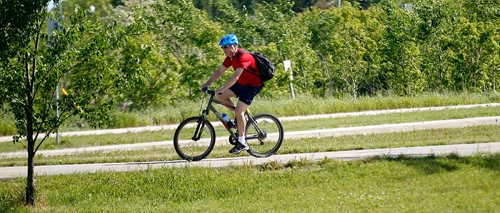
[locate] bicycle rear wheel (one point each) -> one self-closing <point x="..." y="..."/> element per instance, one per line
<point x="264" y="135"/>
<point x="194" y="139"/>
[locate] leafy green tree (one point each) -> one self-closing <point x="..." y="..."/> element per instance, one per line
<point x="148" y="76"/>
<point x="188" y="38"/>
<point x="475" y="46"/>
<point x="281" y="37"/>
<point x="373" y="20"/>
<point x="458" y="39"/>
<point x="478" y="52"/>
<point x="346" y="41"/>
<point x="402" y="56"/>
<point x="80" y="58"/>
<point x="322" y="25"/>
<point x="436" y="23"/>
<point x="351" y="45"/>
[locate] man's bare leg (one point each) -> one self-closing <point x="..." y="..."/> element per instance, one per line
<point x="241" y="108"/>
<point x="225" y="98"/>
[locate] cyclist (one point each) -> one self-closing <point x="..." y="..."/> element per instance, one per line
<point x="244" y="84"/>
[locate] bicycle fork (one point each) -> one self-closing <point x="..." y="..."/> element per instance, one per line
<point x="199" y="127"/>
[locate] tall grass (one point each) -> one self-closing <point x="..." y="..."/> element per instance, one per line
<point x="430" y="184"/>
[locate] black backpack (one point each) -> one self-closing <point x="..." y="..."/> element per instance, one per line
<point x="265" y="66"/>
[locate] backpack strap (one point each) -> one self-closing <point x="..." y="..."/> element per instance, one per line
<point x="251" y="69"/>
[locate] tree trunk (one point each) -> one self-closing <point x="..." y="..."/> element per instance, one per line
<point x="30" y="180"/>
<point x="30" y="183"/>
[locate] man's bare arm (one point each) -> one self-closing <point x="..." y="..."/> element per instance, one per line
<point x="216" y="75"/>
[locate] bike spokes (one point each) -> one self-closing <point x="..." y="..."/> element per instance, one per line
<point x="194" y="139"/>
<point x="264" y="135"/>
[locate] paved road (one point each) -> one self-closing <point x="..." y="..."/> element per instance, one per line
<point x="335" y="115"/>
<point x="384" y="128"/>
<point x="460" y="149"/>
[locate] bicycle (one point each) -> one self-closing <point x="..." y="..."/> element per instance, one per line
<point x="194" y="138"/>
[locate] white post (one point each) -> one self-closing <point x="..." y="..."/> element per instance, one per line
<point x="288" y="65"/>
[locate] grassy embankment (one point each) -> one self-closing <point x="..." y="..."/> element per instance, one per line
<point x="428" y="184"/>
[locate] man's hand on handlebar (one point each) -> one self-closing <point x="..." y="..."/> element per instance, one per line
<point x="207" y="90"/>
<point x="204" y="88"/>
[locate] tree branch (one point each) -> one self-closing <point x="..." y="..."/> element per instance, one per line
<point x="58" y="123"/>
<point x="43" y="139"/>
<point x="35" y="55"/>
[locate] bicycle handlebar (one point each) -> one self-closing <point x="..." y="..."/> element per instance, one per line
<point x="208" y="91"/>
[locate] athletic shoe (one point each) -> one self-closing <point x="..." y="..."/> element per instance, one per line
<point x="238" y="148"/>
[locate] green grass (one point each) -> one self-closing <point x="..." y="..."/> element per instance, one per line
<point x="430" y="184"/>
<point x="96" y="140"/>
<point x="477" y="134"/>
<point x="302" y="105"/>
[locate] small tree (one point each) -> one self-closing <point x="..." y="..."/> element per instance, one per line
<point x="402" y="57"/>
<point x="79" y="57"/>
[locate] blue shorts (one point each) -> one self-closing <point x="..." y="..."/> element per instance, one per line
<point x="245" y="93"/>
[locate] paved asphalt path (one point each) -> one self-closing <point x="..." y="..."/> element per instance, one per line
<point x="460" y="149"/>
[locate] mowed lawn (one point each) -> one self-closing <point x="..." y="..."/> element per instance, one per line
<point x="430" y="184"/>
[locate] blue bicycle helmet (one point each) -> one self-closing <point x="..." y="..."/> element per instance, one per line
<point x="228" y="39"/>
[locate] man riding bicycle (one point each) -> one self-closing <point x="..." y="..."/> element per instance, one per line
<point x="244" y="84"/>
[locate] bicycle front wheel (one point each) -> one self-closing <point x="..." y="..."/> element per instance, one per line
<point x="194" y="139"/>
<point x="264" y="135"/>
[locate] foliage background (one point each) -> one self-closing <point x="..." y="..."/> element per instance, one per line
<point x="362" y="48"/>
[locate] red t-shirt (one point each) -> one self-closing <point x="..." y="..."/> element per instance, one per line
<point x="245" y="60"/>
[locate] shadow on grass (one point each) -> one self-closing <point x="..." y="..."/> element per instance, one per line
<point x="491" y="162"/>
<point x="449" y="163"/>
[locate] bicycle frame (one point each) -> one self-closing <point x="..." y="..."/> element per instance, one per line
<point x="210" y="107"/>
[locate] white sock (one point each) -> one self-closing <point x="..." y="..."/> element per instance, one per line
<point x="241" y="139"/>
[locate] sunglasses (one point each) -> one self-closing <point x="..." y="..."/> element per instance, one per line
<point x="226" y="46"/>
